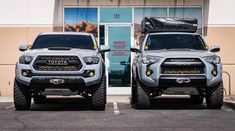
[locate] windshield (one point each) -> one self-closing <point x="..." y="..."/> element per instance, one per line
<point x="174" y="41"/>
<point x="67" y="41"/>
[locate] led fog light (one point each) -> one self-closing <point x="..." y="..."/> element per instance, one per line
<point x="214" y="72"/>
<point x="89" y="73"/>
<point x="26" y="73"/>
<point x="149" y="72"/>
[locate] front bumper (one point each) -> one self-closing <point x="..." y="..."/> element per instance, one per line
<point x="71" y="82"/>
<point x="174" y="81"/>
<point x="71" y="78"/>
<point x="156" y="79"/>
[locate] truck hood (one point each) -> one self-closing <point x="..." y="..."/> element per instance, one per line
<point x="179" y="53"/>
<point x="80" y="52"/>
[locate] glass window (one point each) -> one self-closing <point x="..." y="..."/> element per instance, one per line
<point x="188" y="12"/>
<point x="140" y="13"/>
<point x="81" y="20"/>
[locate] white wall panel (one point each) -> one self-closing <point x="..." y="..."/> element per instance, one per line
<point x="41" y="11"/>
<point x="26" y="11"/>
<point x="13" y="11"/>
<point x="220" y="12"/>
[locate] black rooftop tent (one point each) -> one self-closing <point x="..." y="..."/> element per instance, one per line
<point x="158" y="24"/>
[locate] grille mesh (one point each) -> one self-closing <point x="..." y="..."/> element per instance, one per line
<point x="182" y="66"/>
<point x="60" y="63"/>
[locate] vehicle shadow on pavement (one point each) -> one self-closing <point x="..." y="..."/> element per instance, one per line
<point x="175" y="104"/>
<point x="63" y="104"/>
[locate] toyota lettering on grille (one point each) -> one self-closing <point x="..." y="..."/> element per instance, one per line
<point x="57" y="62"/>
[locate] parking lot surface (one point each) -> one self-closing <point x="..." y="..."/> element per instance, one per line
<point x="76" y="114"/>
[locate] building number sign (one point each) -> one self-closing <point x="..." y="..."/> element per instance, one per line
<point x="116" y="16"/>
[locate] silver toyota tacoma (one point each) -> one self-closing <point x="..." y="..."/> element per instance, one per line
<point x="175" y="61"/>
<point x="60" y="64"/>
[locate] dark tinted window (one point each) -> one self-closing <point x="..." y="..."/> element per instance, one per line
<point x="174" y="41"/>
<point x="71" y="41"/>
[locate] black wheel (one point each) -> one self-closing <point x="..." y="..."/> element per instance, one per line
<point x="22" y="97"/>
<point x="133" y="91"/>
<point x="142" y="96"/>
<point x="196" y="99"/>
<point x="39" y="99"/>
<point x="215" y="96"/>
<point x="98" y="99"/>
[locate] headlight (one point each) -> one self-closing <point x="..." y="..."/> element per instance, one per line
<point x="213" y="59"/>
<point x="25" y="59"/>
<point x="91" y="60"/>
<point x="150" y="59"/>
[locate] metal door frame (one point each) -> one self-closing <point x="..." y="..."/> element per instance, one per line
<point x="117" y="90"/>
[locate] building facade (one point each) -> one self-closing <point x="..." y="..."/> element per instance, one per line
<point x="115" y="23"/>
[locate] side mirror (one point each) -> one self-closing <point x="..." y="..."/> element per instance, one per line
<point x="214" y="48"/>
<point x="135" y="49"/>
<point x="104" y="48"/>
<point x="23" y="47"/>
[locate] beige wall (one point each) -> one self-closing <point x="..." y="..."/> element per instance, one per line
<point x="225" y="38"/>
<point x="10" y="39"/>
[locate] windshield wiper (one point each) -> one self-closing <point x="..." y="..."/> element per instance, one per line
<point x="59" y="48"/>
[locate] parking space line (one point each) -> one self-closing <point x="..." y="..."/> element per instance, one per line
<point x="8" y="107"/>
<point x="115" y="108"/>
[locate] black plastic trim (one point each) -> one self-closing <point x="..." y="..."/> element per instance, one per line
<point x="170" y="81"/>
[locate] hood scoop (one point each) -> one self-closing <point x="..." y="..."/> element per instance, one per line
<point x="59" y="48"/>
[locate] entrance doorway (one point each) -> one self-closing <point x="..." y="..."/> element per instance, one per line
<point x="118" y="60"/>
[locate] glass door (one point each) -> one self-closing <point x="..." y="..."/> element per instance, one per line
<point x="118" y="60"/>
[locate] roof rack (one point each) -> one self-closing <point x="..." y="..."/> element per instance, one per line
<point x="159" y="24"/>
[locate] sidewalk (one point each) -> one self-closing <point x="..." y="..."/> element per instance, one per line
<point x="6" y="98"/>
<point x="230" y="100"/>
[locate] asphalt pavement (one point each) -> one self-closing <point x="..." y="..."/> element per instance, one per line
<point x="166" y="113"/>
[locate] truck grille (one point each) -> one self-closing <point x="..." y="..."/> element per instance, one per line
<point x="182" y="66"/>
<point x="57" y="63"/>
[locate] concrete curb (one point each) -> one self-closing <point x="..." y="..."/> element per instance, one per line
<point x="6" y="98"/>
<point x="230" y="103"/>
<point x="110" y="99"/>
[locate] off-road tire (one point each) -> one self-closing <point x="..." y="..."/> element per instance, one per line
<point x="133" y="91"/>
<point x="98" y="99"/>
<point x="215" y="96"/>
<point x="196" y="99"/>
<point x="142" y="96"/>
<point x="22" y="97"/>
<point x="39" y="99"/>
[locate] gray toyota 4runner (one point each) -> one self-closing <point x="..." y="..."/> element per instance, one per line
<point x="174" y="60"/>
<point x="60" y="64"/>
